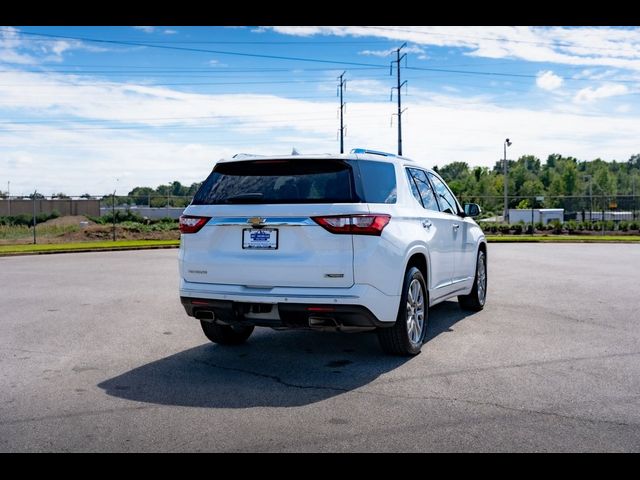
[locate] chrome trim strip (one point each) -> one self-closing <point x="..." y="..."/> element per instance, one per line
<point x="269" y="221"/>
<point x="264" y="294"/>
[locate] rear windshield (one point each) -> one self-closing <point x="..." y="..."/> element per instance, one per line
<point x="298" y="181"/>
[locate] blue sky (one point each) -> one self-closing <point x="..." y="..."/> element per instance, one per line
<point x="148" y="105"/>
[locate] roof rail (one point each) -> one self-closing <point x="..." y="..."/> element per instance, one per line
<point x="372" y="152"/>
<point x="246" y="155"/>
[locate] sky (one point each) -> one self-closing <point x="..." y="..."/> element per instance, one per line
<point x="98" y="109"/>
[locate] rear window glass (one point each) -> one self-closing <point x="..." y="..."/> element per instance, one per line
<point x="378" y="181"/>
<point x="278" y="181"/>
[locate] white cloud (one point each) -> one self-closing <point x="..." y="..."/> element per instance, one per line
<point x="590" y="94"/>
<point x="10" y="42"/>
<point x="547" y="80"/>
<point x="180" y="135"/>
<point x="597" y="46"/>
<point x="368" y="87"/>
<point x="170" y="32"/>
<point x="16" y="48"/>
<point x="216" y="63"/>
<point x="386" y="53"/>
<point x="146" y="29"/>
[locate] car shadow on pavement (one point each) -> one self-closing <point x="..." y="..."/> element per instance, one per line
<point x="275" y="369"/>
<point x="444" y="316"/>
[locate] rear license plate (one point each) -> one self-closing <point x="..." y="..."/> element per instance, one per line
<point x="260" y="238"/>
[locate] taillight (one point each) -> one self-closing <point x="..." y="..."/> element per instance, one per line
<point x="191" y="223"/>
<point x="354" y="224"/>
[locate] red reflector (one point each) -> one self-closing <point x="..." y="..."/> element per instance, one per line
<point x="199" y="302"/>
<point x="321" y="309"/>
<point x="354" y="224"/>
<point x="192" y="223"/>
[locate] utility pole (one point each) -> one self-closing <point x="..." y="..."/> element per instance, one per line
<point x="35" y="194"/>
<point x="9" y="198"/>
<point x="399" y="88"/>
<point x="342" y="86"/>
<point x="507" y="143"/>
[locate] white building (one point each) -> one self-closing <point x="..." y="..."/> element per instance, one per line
<point x="608" y="215"/>
<point x="540" y="215"/>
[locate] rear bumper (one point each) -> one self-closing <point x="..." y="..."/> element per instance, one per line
<point x="287" y="315"/>
<point x="360" y="305"/>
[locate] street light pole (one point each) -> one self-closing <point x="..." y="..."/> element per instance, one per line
<point x="113" y="213"/>
<point x="633" y="195"/>
<point x="590" y="198"/>
<point x="507" y="143"/>
<point x="9" y="198"/>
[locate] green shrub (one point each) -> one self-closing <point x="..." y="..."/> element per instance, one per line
<point x="121" y="216"/>
<point x="571" y="226"/>
<point x="517" y="228"/>
<point x="26" y="219"/>
<point x="556" y="226"/>
<point x="504" y="228"/>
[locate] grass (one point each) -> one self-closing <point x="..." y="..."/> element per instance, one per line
<point x="86" y="246"/>
<point x="141" y="244"/>
<point x="14" y="232"/>
<point x="563" y="238"/>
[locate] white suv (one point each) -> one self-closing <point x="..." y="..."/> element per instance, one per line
<point x="352" y="242"/>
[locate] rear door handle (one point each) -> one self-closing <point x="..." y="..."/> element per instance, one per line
<point x="456" y="226"/>
<point x="426" y="223"/>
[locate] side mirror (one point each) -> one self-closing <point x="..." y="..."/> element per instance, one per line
<point x="472" y="209"/>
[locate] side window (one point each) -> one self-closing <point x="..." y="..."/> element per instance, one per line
<point x="413" y="185"/>
<point x="446" y="199"/>
<point x="418" y="179"/>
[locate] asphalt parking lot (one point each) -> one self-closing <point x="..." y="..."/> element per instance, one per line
<point x="97" y="354"/>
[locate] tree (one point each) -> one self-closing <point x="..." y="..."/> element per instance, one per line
<point x="569" y="179"/>
<point x="454" y="170"/>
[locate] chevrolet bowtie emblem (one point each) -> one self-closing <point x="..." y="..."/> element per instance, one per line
<point x="256" y="221"/>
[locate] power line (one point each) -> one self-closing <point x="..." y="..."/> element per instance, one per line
<point x="224" y="42"/>
<point x="260" y="82"/>
<point x="284" y="121"/>
<point x="501" y="39"/>
<point x="198" y="50"/>
<point x="505" y="74"/>
<point x="301" y="59"/>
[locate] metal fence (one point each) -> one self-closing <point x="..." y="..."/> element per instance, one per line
<point x="22" y="217"/>
<point x="580" y="208"/>
<point x="602" y="213"/>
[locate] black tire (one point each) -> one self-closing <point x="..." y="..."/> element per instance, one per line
<point x="225" y="334"/>
<point x="401" y="339"/>
<point x="476" y="300"/>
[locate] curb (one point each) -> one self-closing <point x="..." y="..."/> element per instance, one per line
<point x="84" y="250"/>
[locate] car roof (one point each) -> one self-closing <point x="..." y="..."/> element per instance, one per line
<point x="355" y="154"/>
